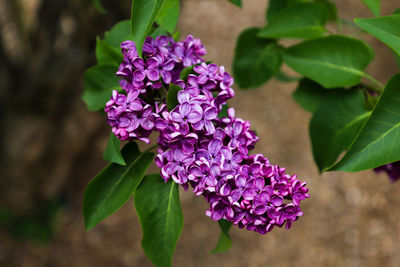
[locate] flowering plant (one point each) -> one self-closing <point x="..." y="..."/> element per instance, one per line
<point x="352" y="112"/>
<point x="148" y="82"/>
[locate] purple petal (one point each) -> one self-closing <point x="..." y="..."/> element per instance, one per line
<point x="147" y="124"/>
<point x="202" y="79"/>
<point x="240" y="181"/>
<point x="214" y="146"/>
<point x="276" y="201"/>
<point x="215" y="170"/>
<point x="196" y="171"/>
<point x="139" y="75"/>
<point x="187" y="62"/>
<point x="134" y="125"/>
<point x="212" y="68"/>
<point x="235" y="195"/>
<point x="167" y="77"/>
<point x="187" y="147"/>
<point x="138" y="63"/>
<point x="210" y="113"/>
<point x="200" y="69"/>
<point x="135" y="105"/>
<point x="237" y="128"/>
<point x="198" y="126"/>
<point x="184" y="109"/>
<point x="183" y="97"/>
<point x="152" y="63"/>
<point x="210" y="128"/>
<point x="211" y="181"/>
<point x="194" y="116"/>
<point x="133" y="94"/>
<point x="124" y="122"/>
<point x="225" y="190"/>
<point x="176" y="116"/>
<point x="171" y="167"/>
<point x="249" y="193"/>
<point x="169" y="65"/>
<point x="237" y="157"/>
<point x="217" y="215"/>
<point x="219" y="134"/>
<point x="153" y="74"/>
<point x="183" y="177"/>
<point x="259" y="183"/>
<point x="210" y="84"/>
<point x="192" y="80"/>
<point x="178" y="155"/>
<point x="260" y="209"/>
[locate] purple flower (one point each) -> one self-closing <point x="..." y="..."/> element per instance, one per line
<point x="212" y="153"/>
<point x="176" y="167"/>
<point x="165" y="70"/>
<point x="147" y="69"/>
<point x="186" y="113"/>
<point x="189" y="52"/>
<point x="156" y="47"/>
<point x="206" y="120"/>
<point x="231" y="160"/>
<point x="195" y="147"/>
<point x="207" y="72"/>
<point x="392" y="170"/>
<point x="128" y="49"/>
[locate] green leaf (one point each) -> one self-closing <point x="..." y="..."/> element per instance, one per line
<point x="256" y="59"/>
<point x="275" y="6"/>
<point x="159" y="209"/>
<point x="397" y="56"/>
<point x="236" y="2"/>
<point x="107" y="54"/>
<point x="332" y="61"/>
<point x="224" y="111"/>
<point x="335" y="124"/>
<point x="330" y="6"/>
<point x="374" y="6"/>
<point x="172" y="96"/>
<point x="309" y="94"/>
<point x="99" y="6"/>
<point x="386" y="29"/>
<point x="143" y="15"/>
<point x="100" y="81"/>
<point x="112" y="153"/>
<point x="176" y="35"/>
<point x="378" y="142"/>
<point x="297" y="20"/>
<point x="108" y="51"/>
<point x="185" y="73"/>
<point x="225" y="241"/>
<point x="283" y="77"/>
<point x="119" y="33"/>
<point x="158" y="31"/>
<point x="114" y="185"/>
<point x="169" y="14"/>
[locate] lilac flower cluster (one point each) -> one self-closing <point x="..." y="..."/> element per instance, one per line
<point x="197" y="147"/>
<point x="392" y="170"/>
<point x="132" y="113"/>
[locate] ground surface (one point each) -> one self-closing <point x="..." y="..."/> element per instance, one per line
<point x="350" y="220"/>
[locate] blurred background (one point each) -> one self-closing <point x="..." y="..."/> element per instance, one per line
<point x="51" y="146"/>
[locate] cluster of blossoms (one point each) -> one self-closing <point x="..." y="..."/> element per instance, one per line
<point x="132" y="114"/>
<point x="392" y="170"/>
<point x="197" y="146"/>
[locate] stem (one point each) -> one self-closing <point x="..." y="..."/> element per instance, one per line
<point x="150" y="148"/>
<point x="375" y="82"/>
<point x="339" y="24"/>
